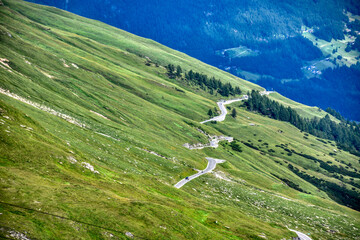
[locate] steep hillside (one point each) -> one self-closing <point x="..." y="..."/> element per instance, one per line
<point x="92" y="134"/>
<point x="299" y="48"/>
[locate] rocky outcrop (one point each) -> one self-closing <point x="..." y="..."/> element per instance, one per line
<point x="213" y="141"/>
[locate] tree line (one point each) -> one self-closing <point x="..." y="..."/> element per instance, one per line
<point x="336" y="192"/>
<point x="346" y="133"/>
<point x="335" y="113"/>
<point x="209" y="84"/>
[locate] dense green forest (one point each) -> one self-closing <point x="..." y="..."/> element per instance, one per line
<point x="338" y="88"/>
<point x="346" y="133"/>
<point x="174" y="23"/>
<point x="278" y="58"/>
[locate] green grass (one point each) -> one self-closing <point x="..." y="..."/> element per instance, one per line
<point x="302" y="110"/>
<point x="348" y="58"/>
<point x="47" y="196"/>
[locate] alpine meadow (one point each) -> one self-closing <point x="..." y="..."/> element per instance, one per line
<point x="104" y="135"/>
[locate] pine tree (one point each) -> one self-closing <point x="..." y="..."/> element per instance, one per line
<point x="178" y="71"/>
<point x="171" y="69"/>
<point x="210" y="113"/>
<point x="237" y="90"/>
<point x="234" y="113"/>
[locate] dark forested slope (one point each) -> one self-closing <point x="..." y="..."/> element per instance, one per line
<point x="200" y="27"/>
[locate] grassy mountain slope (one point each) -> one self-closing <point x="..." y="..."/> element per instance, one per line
<point x="77" y="163"/>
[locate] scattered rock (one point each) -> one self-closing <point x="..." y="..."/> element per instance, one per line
<point x="262" y="235"/>
<point x="129" y="234"/>
<point x="100" y="115"/>
<point x="89" y="166"/>
<point x="46" y="74"/>
<point x="110" y="235"/>
<point x="5" y="62"/>
<point x="221" y="175"/>
<point x="42" y="107"/>
<point x="105" y="135"/>
<point x="72" y="159"/>
<point x="213" y="141"/>
<point x="64" y="63"/>
<point x="27" y="62"/>
<point x="157" y="154"/>
<point x="18" y="235"/>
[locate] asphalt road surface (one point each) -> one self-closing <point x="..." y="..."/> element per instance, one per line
<point x="211" y="166"/>
<point x="301" y="235"/>
<point x="223" y="110"/>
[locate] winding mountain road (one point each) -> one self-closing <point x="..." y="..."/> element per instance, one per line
<point x="211" y="166"/>
<point x="223" y="110"/>
<point x="301" y="235"/>
<point x="213" y="161"/>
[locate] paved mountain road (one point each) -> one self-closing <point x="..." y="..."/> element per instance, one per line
<point x="213" y="161"/>
<point x="301" y="235"/>
<point x="211" y="166"/>
<point x="223" y="110"/>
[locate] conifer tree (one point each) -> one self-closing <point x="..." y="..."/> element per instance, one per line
<point x="234" y="113"/>
<point x="178" y="71"/>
